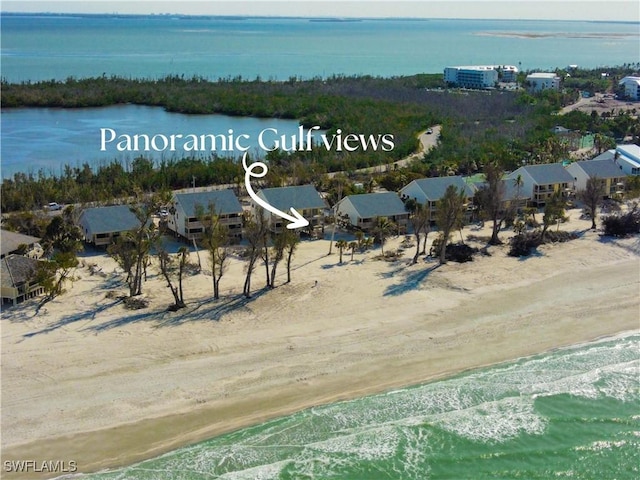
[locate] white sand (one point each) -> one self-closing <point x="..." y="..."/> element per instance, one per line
<point x="87" y="380"/>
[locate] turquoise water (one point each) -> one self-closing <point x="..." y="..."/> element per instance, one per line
<point x="45" y="47"/>
<point x="573" y="413"/>
<point x="39" y="47"/>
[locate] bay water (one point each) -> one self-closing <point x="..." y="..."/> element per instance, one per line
<point x="55" y="47"/>
<point x="46" y="139"/>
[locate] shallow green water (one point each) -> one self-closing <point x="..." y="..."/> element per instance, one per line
<point x="573" y="413"/>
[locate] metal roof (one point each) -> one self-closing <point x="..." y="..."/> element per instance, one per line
<point x="434" y="188"/>
<point x="225" y="202"/>
<point x="299" y="197"/>
<point x="604" y="168"/>
<point x="547" y="174"/>
<point x="369" y="205"/>
<point x="115" y="218"/>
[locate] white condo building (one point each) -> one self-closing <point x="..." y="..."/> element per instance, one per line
<point x="480" y="76"/>
<point x="543" y="81"/>
<point x="631" y="87"/>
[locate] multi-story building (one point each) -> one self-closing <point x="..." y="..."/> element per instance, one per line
<point x="184" y="216"/>
<point x="606" y="170"/>
<point x="363" y="210"/>
<point x="471" y="76"/>
<point x="304" y="198"/>
<point x="428" y="191"/>
<point x="540" y="81"/>
<point x="631" y="87"/>
<point x="102" y="225"/>
<point x="480" y="76"/>
<point x="540" y="182"/>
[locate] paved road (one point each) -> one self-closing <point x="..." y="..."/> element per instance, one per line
<point x="427" y="142"/>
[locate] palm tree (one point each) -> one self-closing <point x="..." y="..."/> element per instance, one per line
<point x="382" y="229"/>
<point x="352" y="246"/>
<point x="518" y="182"/>
<point x="341" y="245"/>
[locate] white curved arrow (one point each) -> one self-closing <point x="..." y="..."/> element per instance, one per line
<point x="297" y="220"/>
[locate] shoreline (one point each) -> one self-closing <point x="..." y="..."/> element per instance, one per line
<point x="108" y="388"/>
<point x="206" y="433"/>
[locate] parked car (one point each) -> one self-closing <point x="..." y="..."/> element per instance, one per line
<point x="54" y="206"/>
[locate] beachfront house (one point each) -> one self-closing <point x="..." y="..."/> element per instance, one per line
<point x="539" y="81"/>
<point x="513" y="195"/>
<point x="304" y="198"/>
<point x="428" y="191"/>
<point x="625" y="157"/>
<point x="605" y="169"/>
<point x="100" y="226"/>
<point x="183" y="216"/>
<point x="540" y="182"/>
<point x="363" y="210"/>
<point x="17" y="243"/>
<point x="18" y="278"/>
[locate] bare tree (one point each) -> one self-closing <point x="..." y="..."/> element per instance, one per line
<point x="490" y="199"/>
<point x="592" y="197"/>
<point x="420" y="219"/>
<point x="132" y="249"/>
<point x="264" y="253"/>
<point x="553" y="212"/>
<point x="53" y="274"/>
<point x="449" y="216"/>
<point x="290" y="247"/>
<point x="168" y="269"/>
<point x="254" y="234"/>
<point x="280" y="242"/>
<point x="216" y="240"/>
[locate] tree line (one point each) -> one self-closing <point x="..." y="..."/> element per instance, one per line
<point x="477" y="127"/>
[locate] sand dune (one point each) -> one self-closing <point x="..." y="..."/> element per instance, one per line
<point x="88" y="381"/>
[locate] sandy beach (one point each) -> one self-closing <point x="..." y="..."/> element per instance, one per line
<point x="90" y="382"/>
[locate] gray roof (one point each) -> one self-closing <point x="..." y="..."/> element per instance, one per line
<point x="299" y="197"/>
<point x="369" y="205"/>
<point x="225" y="202"/>
<point x="510" y="191"/>
<point x="547" y="174"/>
<point x="116" y="218"/>
<point x="10" y="241"/>
<point x="608" y="155"/>
<point x="605" y="168"/>
<point x="435" y="187"/>
<point x="16" y="269"/>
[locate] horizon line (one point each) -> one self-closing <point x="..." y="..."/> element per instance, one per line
<point x="336" y="18"/>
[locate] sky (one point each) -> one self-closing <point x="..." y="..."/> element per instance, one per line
<point x="617" y="10"/>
